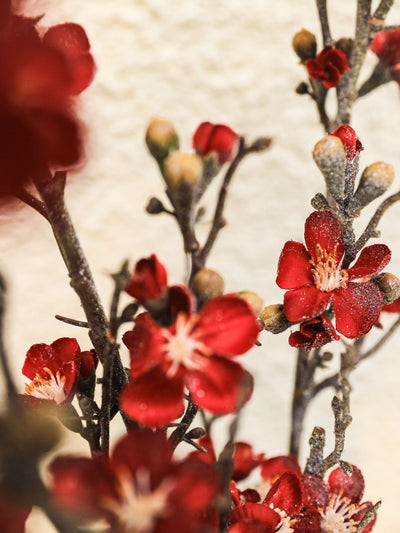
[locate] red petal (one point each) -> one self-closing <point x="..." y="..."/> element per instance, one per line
<point x="315" y="493"/>
<point x="308" y="521"/>
<point x="294" y="268"/>
<point x="252" y="515"/>
<point x="82" y="71"/>
<point x="286" y="494"/>
<point x="223" y="142"/>
<point x="181" y="300"/>
<point x="274" y="467"/>
<point x="227" y="325"/>
<point x="89" y="362"/>
<point x="357" y="308"/>
<point x="351" y="487"/>
<point x="38" y="356"/>
<point x="386" y="46"/>
<point x="69" y="38"/>
<point x="201" y="137"/>
<point x="152" y="399"/>
<point x="323" y="228"/>
<point x="65" y="349"/>
<point x="394" y="307"/>
<point x="306" y="302"/>
<point x="332" y="76"/>
<point x="149" y="279"/>
<point x="221" y="385"/>
<point x="371" y="260"/>
<point x="245" y="460"/>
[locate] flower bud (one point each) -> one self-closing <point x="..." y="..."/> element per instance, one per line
<point x="216" y="139"/>
<point x="330" y="156"/>
<point x="375" y="180"/>
<point x="207" y="284"/>
<point x="252" y="299"/>
<point x="182" y="170"/>
<point x="161" y="138"/>
<point x="349" y="139"/>
<point x="274" y="318"/>
<point x="155" y="206"/>
<point x="389" y="285"/>
<point x="304" y="44"/>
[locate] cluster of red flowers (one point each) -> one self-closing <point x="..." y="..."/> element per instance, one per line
<point x="39" y="76"/>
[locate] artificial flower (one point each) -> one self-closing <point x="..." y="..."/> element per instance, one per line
<point x="53" y="371"/>
<point x="313" y="333"/>
<point x="138" y="489"/>
<point x="215" y="139"/>
<point x="149" y="279"/>
<point x="328" y="66"/>
<point x="386" y="45"/>
<point x="313" y="277"/>
<point x="196" y="352"/>
<point x="349" y="139"/>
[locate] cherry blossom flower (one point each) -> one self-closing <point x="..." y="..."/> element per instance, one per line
<point x="313" y="278"/>
<point x="138" y="489"/>
<point x="53" y="371"/>
<point x="313" y="333"/>
<point x="37" y="82"/>
<point x="215" y="139"/>
<point x="195" y="351"/>
<point x="328" y="66"/>
<point x="349" y="139"/>
<point x="149" y="279"/>
<point x="386" y="45"/>
<point x="344" y="511"/>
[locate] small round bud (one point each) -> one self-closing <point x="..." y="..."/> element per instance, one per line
<point x="182" y="169"/>
<point x="274" y="318"/>
<point x="375" y="181"/>
<point x="304" y="44"/>
<point x="330" y="156"/>
<point x="155" y="206"/>
<point x="207" y="284"/>
<point x="253" y="299"/>
<point x="345" y="45"/>
<point x="389" y="285"/>
<point x="161" y="138"/>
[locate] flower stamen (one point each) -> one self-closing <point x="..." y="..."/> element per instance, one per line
<point x="327" y="277"/>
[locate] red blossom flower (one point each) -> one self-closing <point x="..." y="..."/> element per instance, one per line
<point x="313" y="278"/>
<point x="138" y="489"/>
<point x="328" y="66"/>
<point x="53" y="371"/>
<point x="37" y="82"/>
<point x="349" y="139"/>
<point x="314" y="333"/>
<point x="345" y="511"/>
<point x="215" y="139"/>
<point x="195" y="351"/>
<point x="386" y="45"/>
<point x="149" y="279"/>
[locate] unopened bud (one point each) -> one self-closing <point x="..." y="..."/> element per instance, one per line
<point x="182" y="170"/>
<point x="330" y="156"/>
<point x="161" y="138"/>
<point x="274" y="318"/>
<point x="253" y="299"/>
<point x="155" y="206"/>
<point x="345" y="45"/>
<point x="207" y="284"/>
<point x="375" y="180"/>
<point x="389" y="285"/>
<point x="304" y="44"/>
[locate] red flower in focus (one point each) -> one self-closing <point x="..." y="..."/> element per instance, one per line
<point x="313" y="277"/>
<point x="215" y="139"/>
<point x="53" y="371"/>
<point x="38" y="128"/>
<point x="344" y="511"/>
<point x="138" y="489"/>
<point x="328" y="66"/>
<point x="349" y="139"/>
<point x="195" y="351"/>
<point x="149" y="279"/>
<point x="314" y="333"/>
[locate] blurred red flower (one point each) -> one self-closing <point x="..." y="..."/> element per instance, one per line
<point x="328" y="66"/>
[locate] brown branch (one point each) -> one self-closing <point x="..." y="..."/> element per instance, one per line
<point x="33" y="202"/>
<point x="383" y="9"/>
<point x="323" y="18"/>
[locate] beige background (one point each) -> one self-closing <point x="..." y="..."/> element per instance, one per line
<point x="228" y="61"/>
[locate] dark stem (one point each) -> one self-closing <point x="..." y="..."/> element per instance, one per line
<point x="179" y="433"/>
<point x="323" y="17"/>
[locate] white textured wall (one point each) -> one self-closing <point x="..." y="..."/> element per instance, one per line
<point x="227" y="61"/>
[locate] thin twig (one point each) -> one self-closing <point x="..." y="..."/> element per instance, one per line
<point x="72" y="321"/>
<point x="381" y="341"/>
<point x="383" y="9"/>
<point x="323" y="17"/>
<point x="33" y="202"/>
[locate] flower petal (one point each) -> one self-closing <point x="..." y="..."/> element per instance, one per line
<point x="254" y="518"/>
<point x="351" y="487"/>
<point x="357" y="308"/>
<point x="294" y="268"/>
<point x="227" y="325"/>
<point x="304" y="303"/>
<point x="221" y="385"/>
<point x="152" y="399"/>
<point x="286" y="494"/>
<point x="274" y="467"/>
<point x="372" y="260"/>
<point x="323" y="228"/>
<point x="149" y="279"/>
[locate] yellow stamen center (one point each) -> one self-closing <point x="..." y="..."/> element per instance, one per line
<point x="327" y="277"/>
